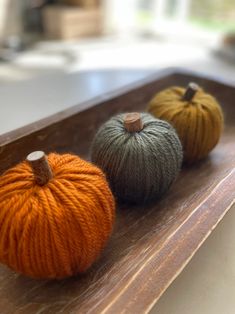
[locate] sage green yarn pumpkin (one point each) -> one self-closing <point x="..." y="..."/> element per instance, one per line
<point x="140" y="165"/>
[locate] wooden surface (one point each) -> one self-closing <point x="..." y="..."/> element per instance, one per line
<point x="149" y="246"/>
<point x="206" y="284"/>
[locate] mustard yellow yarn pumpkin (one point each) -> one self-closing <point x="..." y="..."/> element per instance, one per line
<point x="196" y="116"/>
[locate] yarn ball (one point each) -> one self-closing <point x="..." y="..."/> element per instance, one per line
<point x="57" y="229"/>
<point x="140" y="163"/>
<point x="196" y="116"/>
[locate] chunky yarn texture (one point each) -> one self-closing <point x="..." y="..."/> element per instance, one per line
<point x="198" y="122"/>
<point x="59" y="229"/>
<point x="140" y="166"/>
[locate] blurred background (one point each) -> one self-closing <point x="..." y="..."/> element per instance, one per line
<point x="38" y="37"/>
<point x="55" y="54"/>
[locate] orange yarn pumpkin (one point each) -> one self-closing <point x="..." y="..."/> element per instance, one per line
<point x="57" y="229"/>
<point x="196" y="116"/>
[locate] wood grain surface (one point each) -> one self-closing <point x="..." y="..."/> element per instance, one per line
<point x="149" y="246"/>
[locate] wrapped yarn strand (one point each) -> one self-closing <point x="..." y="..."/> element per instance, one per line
<point x="196" y="116"/>
<point x="140" y="155"/>
<point x="56" y="215"/>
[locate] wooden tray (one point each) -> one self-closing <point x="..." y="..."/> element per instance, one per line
<point x="149" y="246"/>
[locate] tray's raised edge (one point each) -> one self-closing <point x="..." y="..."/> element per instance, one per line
<point x="228" y="180"/>
<point x="208" y="76"/>
<point x="42" y="123"/>
<point x="141" y="292"/>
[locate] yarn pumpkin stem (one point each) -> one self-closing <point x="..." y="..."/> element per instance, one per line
<point x="40" y="166"/>
<point x="133" y="122"/>
<point x="190" y="91"/>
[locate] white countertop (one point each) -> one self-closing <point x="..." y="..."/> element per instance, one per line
<point x="27" y="101"/>
<point x="53" y="76"/>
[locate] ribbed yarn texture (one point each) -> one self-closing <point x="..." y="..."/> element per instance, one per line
<point x="140" y="166"/>
<point x="59" y="229"/>
<point x="198" y="122"/>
